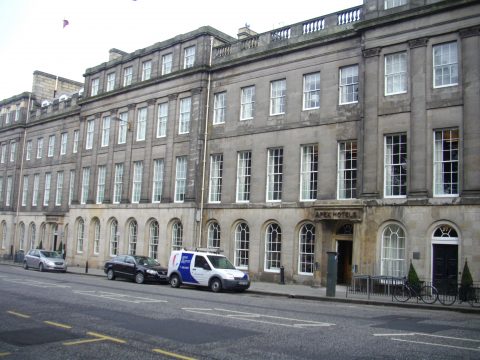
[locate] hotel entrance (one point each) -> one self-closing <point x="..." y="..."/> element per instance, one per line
<point x="344" y="240"/>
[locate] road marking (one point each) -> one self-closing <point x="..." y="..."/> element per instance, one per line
<point x="260" y="318"/>
<point x="18" y="314"/>
<point x="35" y="283"/>
<point x="97" y="337"/>
<point x="118" y="297"/>
<point x="436" y="344"/>
<point x="394" y="337"/>
<point x="4" y="354"/>
<point x="174" y="355"/>
<point x="58" y="324"/>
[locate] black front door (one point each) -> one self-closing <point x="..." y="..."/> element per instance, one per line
<point x="344" y="264"/>
<point x="445" y="265"/>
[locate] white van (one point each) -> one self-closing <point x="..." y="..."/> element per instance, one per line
<point x="201" y="268"/>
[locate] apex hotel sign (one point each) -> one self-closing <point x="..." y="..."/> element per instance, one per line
<point x="349" y="214"/>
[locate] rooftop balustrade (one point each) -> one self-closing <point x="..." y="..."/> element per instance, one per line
<point x="296" y="33"/>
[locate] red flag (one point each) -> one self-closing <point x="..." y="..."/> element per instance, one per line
<point x="65" y="23"/>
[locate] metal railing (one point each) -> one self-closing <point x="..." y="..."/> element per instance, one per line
<point x="369" y="285"/>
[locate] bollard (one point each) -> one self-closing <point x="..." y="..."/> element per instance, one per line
<point x="86" y="267"/>
<point x="282" y="275"/>
<point x="331" y="273"/>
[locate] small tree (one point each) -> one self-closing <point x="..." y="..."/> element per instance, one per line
<point x="465" y="283"/>
<point x="413" y="279"/>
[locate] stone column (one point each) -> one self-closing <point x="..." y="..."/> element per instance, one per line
<point x="471" y="109"/>
<point x="417" y="152"/>
<point x="368" y="142"/>
<point x="127" y="168"/>
<point x="169" y="161"/>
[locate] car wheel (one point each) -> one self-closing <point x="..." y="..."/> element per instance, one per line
<point x="25" y="266"/>
<point x="175" y="281"/>
<point x="139" y="278"/>
<point x="110" y="274"/>
<point x="40" y="267"/>
<point x="216" y="285"/>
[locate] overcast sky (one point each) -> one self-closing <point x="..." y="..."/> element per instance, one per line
<point x="32" y="36"/>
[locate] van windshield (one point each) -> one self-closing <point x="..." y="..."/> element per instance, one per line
<point x="220" y="262"/>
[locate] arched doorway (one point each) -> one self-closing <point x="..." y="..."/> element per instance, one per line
<point x="344" y="239"/>
<point x="444" y="256"/>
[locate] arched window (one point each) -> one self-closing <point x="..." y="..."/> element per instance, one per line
<point x="242" y="245"/>
<point x="177" y="236"/>
<point x="306" y="249"/>
<point x="393" y="251"/>
<point x="96" y="237"/>
<point x="80" y="235"/>
<point x="4" y="234"/>
<point x="445" y="231"/>
<point x="21" y="236"/>
<point x="213" y="235"/>
<point x="273" y="247"/>
<point x="153" y="241"/>
<point x="43" y="230"/>
<point x="33" y="234"/>
<point x="114" y="238"/>
<point x="132" y="237"/>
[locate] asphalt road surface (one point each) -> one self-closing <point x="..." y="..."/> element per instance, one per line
<point x="69" y="316"/>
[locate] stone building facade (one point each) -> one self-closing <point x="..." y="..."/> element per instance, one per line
<point x="355" y="132"/>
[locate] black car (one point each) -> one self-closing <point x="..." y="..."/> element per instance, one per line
<point x="138" y="268"/>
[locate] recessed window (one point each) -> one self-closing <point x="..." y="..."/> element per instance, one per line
<point x="347" y="170"/>
<point x="275" y="174"/>
<point x="141" y="124"/>
<point x="393" y="251"/>
<point x="110" y="81"/>
<point x="242" y="246"/>
<point x="118" y="184"/>
<point x="396" y="73"/>
<point x="446" y="162"/>
<point x="166" y="64"/>
<point x="306" y="249"/>
<point x="215" y="186"/>
<point x="137" y="181"/>
<point x="157" y="186"/>
<point x="146" y="70"/>
<point x="162" y="119"/>
<point x="278" y="91"/>
<point x="95" y="86"/>
<point x="90" y="133"/>
<point x="219" y="105"/>
<point x="309" y="173"/>
<point x="102" y="171"/>
<point x="105" y="131"/>
<point x="395" y="165"/>
<point x="349" y="85"/>
<point x="311" y="91"/>
<point x="445" y="65"/>
<point x="127" y="76"/>
<point x="247" y="106"/>
<point x="214" y="235"/>
<point x="273" y="247"/>
<point x="184" y="118"/>
<point x="189" y="57"/>
<point x="180" y="178"/>
<point x="244" y="173"/>
<point x="388" y="4"/>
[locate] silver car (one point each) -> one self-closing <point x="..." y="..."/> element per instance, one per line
<point x="44" y="260"/>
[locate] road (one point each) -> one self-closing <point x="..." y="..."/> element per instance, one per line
<point x="69" y="316"/>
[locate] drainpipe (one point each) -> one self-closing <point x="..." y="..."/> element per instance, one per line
<point x="205" y="146"/>
<point x="20" y="192"/>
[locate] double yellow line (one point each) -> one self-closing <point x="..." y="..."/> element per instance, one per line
<point x="96" y="337"/>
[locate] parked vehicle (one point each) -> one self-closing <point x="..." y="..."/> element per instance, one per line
<point x="44" y="260"/>
<point x="205" y="269"/>
<point x="137" y="268"/>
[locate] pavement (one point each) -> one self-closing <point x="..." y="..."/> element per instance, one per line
<point x="306" y="292"/>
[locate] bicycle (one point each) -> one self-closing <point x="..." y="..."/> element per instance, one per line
<point x="427" y="293"/>
<point x="468" y="294"/>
